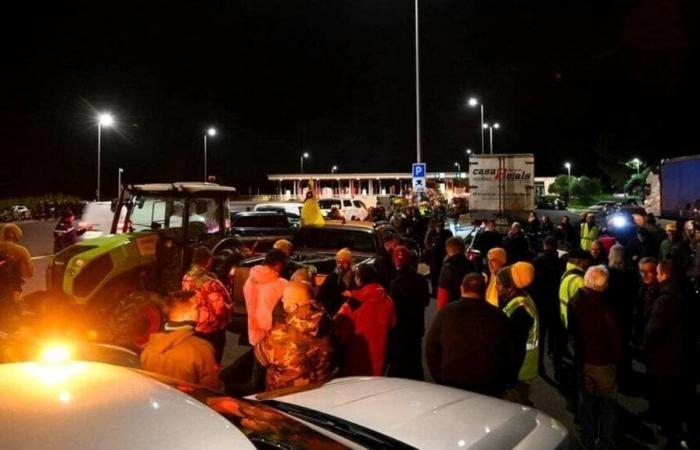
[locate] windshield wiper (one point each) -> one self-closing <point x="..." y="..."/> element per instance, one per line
<point x="356" y="433"/>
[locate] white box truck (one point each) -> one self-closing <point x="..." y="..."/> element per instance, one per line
<point x="501" y="186"/>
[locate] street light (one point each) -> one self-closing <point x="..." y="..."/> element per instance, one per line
<point x="119" y="180"/>
<point x="210" y="132"/>
<point x="301" y="160"/>
<point x="568" y="169"/>
<point x="495" y="126"/>
<point x="636" y="162"/>
<point x="459" y="170"/>
<point x="103" y="120"/>
<point x="334" y="169"/>
<point x="474" y="102"/>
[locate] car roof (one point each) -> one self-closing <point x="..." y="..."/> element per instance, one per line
<point x="179" y="187"/>
<point x="347" y="225"/>
<point x="86" y="405"/>
<point x="258" y="213"/>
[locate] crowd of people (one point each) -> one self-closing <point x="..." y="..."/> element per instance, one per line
<point x="606" y="315"/>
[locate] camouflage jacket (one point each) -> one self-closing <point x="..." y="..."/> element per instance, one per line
<point x="298" y="351"/>
<point x="213" y="300"/>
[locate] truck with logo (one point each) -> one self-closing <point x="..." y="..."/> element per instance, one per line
<point x="501" y="186"/>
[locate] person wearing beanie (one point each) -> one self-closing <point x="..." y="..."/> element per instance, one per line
<point x="496" y="258"/>
<point x="330" y="294"/>
<point x="469" y="345"/>
<point x="523" y="322"/>
<point x="291" y="266"/>
<point x="411" y="296"/>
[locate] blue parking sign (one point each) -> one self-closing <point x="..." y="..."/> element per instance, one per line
<point x="419" y="170"/>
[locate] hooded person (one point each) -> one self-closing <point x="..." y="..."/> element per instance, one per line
<point x="330" y="294"/>
<point x="177" y="352"/>
<point x="310" y="212"/>
<point x="523" y="322"/>
<point x="362" y="325"/>
<point x="496" y="258"/>
<point x="297" y="351"/>
<point x="262" y="291"/>
<point x="411" y="296"/>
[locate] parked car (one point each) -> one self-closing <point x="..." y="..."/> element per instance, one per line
<point x="19" y="212"/>
<point x="291" y="209"/>
<point x="350" y="208"/>
<point x="551" y="204"/>
<point x="260" y="229"/>
<point x="91" y="405"/>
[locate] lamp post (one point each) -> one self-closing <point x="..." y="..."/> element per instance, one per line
<point x="334" y="169"/>
<point x="459" y="170"/>
<point x="301" y="160"/>
<point x="417" y="49"/>
<point x="103" y="120"/>
<point x="568" y="169"/>
<point x="210" y="132"/>
<point x="473" y="102"/>
<point x="495" y="126"/>
<point x="119" y="180"/>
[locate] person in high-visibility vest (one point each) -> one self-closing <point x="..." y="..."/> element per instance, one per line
<point x="589" y="232"/>
<point x="496" y="258"/>
<point x="523" y="321"/>
<point x="572" y="280"/>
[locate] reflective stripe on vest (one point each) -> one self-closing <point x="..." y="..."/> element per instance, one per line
<point x="566" y="293"/>
<point x="529" y="368"/>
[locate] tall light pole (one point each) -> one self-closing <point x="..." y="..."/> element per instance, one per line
<point x="119" y="180"/>
<point x="459" y="170"/>
<point x="301" y="160"/>
<point x="334" y="169"/>
<point x="418" y="149"/>
<point x="568" y="169"/>
<point x="473" y="102"/>
<point x="495" y="126"/>
<point x="103" y="120"/>
<point x="210" y="132"/>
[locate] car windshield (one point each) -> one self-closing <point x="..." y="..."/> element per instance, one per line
<point x="333" y="239"/>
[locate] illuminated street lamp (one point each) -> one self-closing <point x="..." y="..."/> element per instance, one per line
<point x="210" y="132"/>
<point x="459" y="170"/>
<point x="103" y="120"/>
<point x="636" y="163"/>
<point x="495" y="126"/>
<point x="334" y="169"/>
<point x="568" y="169"/>
<point x="304" y="155"/>
<point x="474" y="102"/>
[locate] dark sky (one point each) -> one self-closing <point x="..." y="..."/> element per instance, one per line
<point x="572" y="79"/>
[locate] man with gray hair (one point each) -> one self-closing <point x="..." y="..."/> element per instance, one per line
<point x="599" y="348"/>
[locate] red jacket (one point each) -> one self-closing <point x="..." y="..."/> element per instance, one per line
<point x="362" y="326"/>
<point x="213" y="300"/>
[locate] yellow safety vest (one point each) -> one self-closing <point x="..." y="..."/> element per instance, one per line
<point x="588" y="235"/>
<point x="571" y="282"/>
<point x="529" y="368"/>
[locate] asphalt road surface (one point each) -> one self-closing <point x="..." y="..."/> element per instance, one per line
<point x="38" y="238"/>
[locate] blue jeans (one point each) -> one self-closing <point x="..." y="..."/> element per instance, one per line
<point x="597" y="407"/>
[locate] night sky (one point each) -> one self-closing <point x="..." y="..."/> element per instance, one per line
<point x="594" y="82"/>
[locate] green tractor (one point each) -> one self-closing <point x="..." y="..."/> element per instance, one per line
<point x="117" y="281"/>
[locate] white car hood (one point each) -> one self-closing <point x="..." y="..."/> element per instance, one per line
<point x="428" y="416"/>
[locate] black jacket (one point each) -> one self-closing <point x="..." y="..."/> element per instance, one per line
<point x="664" y="333"/>
<point x="517" y="248"/>
<point x="487" y="240"/>
<point x="469" y="347"/>
<point x="549" y="269"/>
<point x="411" y="295"/>
<point x="330" y="292"/>
<point x="454" y="268"/>
<point x="384" y="267"/>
